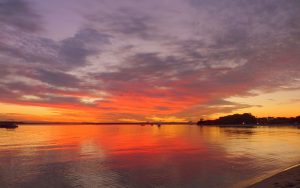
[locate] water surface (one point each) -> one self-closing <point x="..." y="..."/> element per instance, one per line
<point x="143" y="156"/>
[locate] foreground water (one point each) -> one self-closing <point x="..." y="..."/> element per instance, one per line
<point x="143" y="156"/>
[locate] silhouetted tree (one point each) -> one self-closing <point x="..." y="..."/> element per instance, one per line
<point x="248" y="118"/>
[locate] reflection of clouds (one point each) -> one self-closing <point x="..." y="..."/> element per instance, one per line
<point x="92" y="173"/>
<point x="265" y="144"/>
<point x="136" y="156"/>
<point x="32" y="157"/>
<point x="90" y="149"/>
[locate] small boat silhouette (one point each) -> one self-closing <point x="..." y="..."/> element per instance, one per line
<point x="8" y="125"/>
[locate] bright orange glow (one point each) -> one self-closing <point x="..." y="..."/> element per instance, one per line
<point x="134" y="108"/>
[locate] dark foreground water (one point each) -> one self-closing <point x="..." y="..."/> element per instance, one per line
<point x="143" y="156"/>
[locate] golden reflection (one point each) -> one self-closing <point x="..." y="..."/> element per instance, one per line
<point x="98" y="152"/>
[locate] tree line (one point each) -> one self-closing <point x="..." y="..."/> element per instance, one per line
<point x="248" y="118"/>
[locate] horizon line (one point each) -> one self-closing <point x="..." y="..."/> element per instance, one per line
<point x="96" y="123"/>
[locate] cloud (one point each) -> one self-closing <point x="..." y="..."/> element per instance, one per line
<point x="58" y="78"/>
<point x="68" y="53"/>
<point x="125" y="20"/>
<point x="86" y="42"/>
<point x="19" y="14"/>
<point x="36" y="66"/>
<point x="219" y="106"/>
<point x="181" y="59"/>
<point x="29" y="61"/>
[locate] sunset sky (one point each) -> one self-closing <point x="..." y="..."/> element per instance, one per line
<point x="148" y="60"/>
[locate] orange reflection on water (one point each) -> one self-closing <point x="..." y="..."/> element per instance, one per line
<point x="136" y="155"/>
<point x="124" y="139"/>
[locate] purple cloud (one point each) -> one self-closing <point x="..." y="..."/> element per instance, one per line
<point x="195" y="53"/>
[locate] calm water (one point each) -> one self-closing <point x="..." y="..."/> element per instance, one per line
<point x="148" y="156"/>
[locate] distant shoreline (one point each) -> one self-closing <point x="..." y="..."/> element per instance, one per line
<point x="289" y="177"/>
<point x="235" y="120"/>
<point x="250" y="125"/>
<point x="154" y="123"/>
<point x="101" y="123"/>
<point x="249" y="119"/>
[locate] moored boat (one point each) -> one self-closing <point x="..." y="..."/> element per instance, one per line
<point x="8" y="125"/>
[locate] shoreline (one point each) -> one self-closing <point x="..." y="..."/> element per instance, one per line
<point x="287" y="178"/>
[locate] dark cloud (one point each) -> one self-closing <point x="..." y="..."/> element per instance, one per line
<point x="65" y="54"/>
<point x="27" y="59"/>
<point x="245" y="23"/>
<point x="150" y="66"/>
<point x="21" y="47"/>
<point x="33" y="65"/>
<point x="86" y="42"/>
<point x="126" y="21"/>
<point x="19" y="14"/>
<point x="143" y="73"/>
<point x="56" y="78"/>
<point x="237" y="47"/>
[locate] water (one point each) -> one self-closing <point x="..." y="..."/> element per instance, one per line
<point x="143" y="156"/>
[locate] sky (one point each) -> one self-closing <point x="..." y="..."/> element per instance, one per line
<point x="141" y="60"/>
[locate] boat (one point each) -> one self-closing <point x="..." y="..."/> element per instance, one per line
<point x="8" y="124"/>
